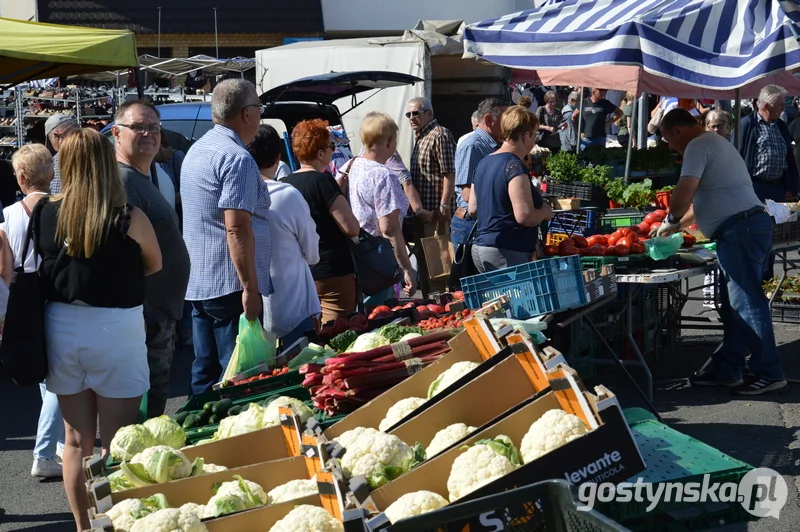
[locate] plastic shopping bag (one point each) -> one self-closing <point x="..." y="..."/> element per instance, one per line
<point x="254" y="347"/>
<point x="662" y="247"/>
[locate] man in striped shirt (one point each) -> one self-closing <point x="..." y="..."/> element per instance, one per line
<point x="225" y="226"/>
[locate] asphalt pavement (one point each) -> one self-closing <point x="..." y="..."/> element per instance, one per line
<point x="762" y="431"/>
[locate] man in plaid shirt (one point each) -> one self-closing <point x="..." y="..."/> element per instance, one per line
<point x="433" y="175"/>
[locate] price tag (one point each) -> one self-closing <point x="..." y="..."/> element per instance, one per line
<point x="414" y="365"/>
<point x="402" y="350"/>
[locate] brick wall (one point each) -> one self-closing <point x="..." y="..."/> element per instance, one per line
<point x="181" y="42"/>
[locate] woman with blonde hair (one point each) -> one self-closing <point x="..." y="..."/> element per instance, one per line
<point x="96" y="251"/>
<point x="508" y="207"/>
<point x="376" y="195"/>
<point x="33" y="168"/>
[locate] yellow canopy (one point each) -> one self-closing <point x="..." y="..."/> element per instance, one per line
<point x="35" y="50"/>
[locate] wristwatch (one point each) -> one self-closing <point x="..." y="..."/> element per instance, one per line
<point x="446" y="206"/>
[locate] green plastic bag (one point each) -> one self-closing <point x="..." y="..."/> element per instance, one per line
<point x="662" y="247"/>
<point x="254" y="347"/>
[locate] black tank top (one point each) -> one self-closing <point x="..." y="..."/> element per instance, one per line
<point x="112" y="277"/>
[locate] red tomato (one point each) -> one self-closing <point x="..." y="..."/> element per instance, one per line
<point x="634" y="238"/>
<point x="569" y="250"/>
<point x="597" y="240"/>
<point x="459" y="295"/>
<point x="422" y="308"/>
<point x="397" y="308"/>
<point x="622" y="250"/>
<point x="634" y="229"/>
<point x="584" y="252"/>
<point x="625" y="241"/>
<point x="644" y="228"/>
<point x="662" y="213"/>
<point x="612" y="240"/>
<point x="688" y="240"/>
<point x="566" y="242"/>
<point x="381" y="308"/>
<point x="637" y="248"/>
<point x="580" y="242"/>
<point x="598" y="251"/>
<point x="551" y="250"/>
<point x="653" y="217"/>
<point x="625" y="231"/>
<point x="409" y="305"/>
<point x="654" y="225"/>
<point x="436" y="309"/>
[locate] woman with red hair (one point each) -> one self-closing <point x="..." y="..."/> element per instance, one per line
<point x="334" y="275"/>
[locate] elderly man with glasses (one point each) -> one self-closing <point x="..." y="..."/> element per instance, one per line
<point x="55" y="129"/>
<point x="225" y="226"/>
<point x="433" y="171"/>
<point x="137" y="137"/>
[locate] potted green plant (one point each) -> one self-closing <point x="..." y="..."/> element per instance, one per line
<point x="663" y="196"/>
<point x="615" y="190"/>
<point x="639" y="195"/>
<point x="564" y="167"/>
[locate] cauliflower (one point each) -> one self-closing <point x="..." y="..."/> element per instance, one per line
<point x="377" y="456"/>
<point x="484" y="462"/>
<point x="170" y="520"/>
<point x="450" y="376"/>
<point x="156" y="465"/>
<point x="243" y="489"/>
<point x="213" y="468"/>
<point x="294" y="489"/>
<point x="166" y="431"/>
<point x="413" y="504"/>
<point x="400" y="410"/>
<point x="447" y="437"/>
<point x="549" y="432"/>
<point x="250" y="420"/>
<point x="193" y="508"/>
<point x="307" y="518"/>
<point x="131" y="440"/>
<point x="124" y="514"/>
<point x="119" y="482"/>
<point x="348" y="438"/>
<point x="272" y="415"/>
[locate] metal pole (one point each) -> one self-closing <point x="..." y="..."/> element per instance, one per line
<point x="159" y="32"/>
<point x="630" y="141"/>
<point x="644" y="119"/>
<point x="216" y="35"/>
<point x="580" y="122"/>
<point x="737" y="114"/>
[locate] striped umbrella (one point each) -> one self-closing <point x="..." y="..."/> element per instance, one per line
<point x="690" y="48"/>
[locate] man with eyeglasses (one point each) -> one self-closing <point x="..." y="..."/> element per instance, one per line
<point x="55" y="129"/>
<point x="433" y="170"/>
<point x="225" y="227"/>
<point x="137" y="138"/>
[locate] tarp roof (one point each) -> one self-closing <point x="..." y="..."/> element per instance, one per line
<point x="33" y="50"/>
<point x="174" y="67"/>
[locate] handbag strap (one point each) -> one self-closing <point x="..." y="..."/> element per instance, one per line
<point x="33" y="222"/>
<point x="345" y="173"/>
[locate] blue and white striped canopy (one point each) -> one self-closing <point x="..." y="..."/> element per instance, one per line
<point x="715" y="45"/>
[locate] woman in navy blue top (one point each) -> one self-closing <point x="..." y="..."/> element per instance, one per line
<point x="508" y="207"/>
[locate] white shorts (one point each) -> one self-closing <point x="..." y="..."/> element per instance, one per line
<point x="102" y="349"/>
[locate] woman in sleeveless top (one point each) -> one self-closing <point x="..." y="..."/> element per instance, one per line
<point x="96" y="251"/>
<point x="33" y="167"/>
<point x="509" y="208"/>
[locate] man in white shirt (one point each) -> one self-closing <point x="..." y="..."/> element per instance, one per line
<point x="474" y="127"/>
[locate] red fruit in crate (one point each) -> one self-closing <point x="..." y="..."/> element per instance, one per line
<point x="622" y="250"/>
<point x="613" y="238"/>
<point x="584" y="252"/>
<point x="436" y="309"/>
<point x="422" y="308"/>
<point x="597" y="251"/>
<point x="624" y="241"/>
<point x="694" y="227"/>
<point x="644" y="229"/>
<point x="637" y="248"/>
<point x="568" y="250"/>
<point x="660" y="212"/>
<point x="566" y="242"/>
<point x="655" y="225"/>
<point x="580" y="242"/>
<point x="459" y="295"/>
<point x="595" y="240"/>
<point x="688" y="240"/>
<point x="624" y="231"/>
<point x="551" y="251"/>
<point x="653" y="217"/>
<point x="634" y="229"/>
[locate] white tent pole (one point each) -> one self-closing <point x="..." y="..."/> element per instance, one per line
<point x="580" y="122"/>
<point x="641" y="126"/>
<point x="737" y="135"/>
<point x="216" y="35"/>
<point x="630" y="141"/>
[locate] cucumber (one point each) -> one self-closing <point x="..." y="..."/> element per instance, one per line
<point x="221" y="407"/>
<point x="192" y="421"/>
<point x="213" y="420"/>
<point x="203" y="418"/>
<point x="181" y="417"/>
<point x="234" y="410"/>
<point x="209" y="406"/>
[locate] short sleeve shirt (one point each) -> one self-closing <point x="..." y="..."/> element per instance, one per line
<point x="469" y="153"/>
<point x="320" y="191"/>
<point x="434" y="155"/>
<point x="594" y="117"/>
<point x="725" y="187"/>
<point x="219" y="174"/>
<point x="374" y="193"/>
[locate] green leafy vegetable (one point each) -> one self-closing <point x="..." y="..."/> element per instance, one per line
<point x="639" y="194"/>
<point x="342" y="341"/>
<point x="394" y="332"/>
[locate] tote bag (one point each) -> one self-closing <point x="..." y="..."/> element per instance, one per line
<point x="22" y="350"/>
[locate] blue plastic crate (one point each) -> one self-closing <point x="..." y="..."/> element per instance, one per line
<point x="535" y="288"/>
<point x="573" y="222"/>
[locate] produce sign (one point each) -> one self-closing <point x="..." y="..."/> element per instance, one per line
<point x="350" y="380"/>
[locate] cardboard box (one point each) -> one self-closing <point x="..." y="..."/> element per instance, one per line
<point x="258" y="519"/>
<point x="607" y="453"/>
<point x="478" y="402"/>
<point x="371" y="414"/>
<point x="600" y="283"/>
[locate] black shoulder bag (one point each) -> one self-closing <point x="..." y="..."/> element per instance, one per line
<point x="375" y="265"/>
<point x="22" y="350"/>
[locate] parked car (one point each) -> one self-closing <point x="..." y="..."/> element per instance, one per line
<point x="283" y="106"/>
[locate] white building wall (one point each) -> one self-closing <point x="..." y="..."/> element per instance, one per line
<point x="18" y="9"/>
<point x="399" y="15"/>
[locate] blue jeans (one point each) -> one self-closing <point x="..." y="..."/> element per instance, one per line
<point x="743" y="249"/>
<point x="305" y="325"/>
<point x="50" y="432"/>
<point x="215" y="326"/>
<point x="586" y="142"/>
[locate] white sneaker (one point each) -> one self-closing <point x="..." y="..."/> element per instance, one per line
<point x="46" y="467"/>
<point x="60" y="453"/>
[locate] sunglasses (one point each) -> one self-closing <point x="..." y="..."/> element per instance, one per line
<point x="415" y="113"/>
